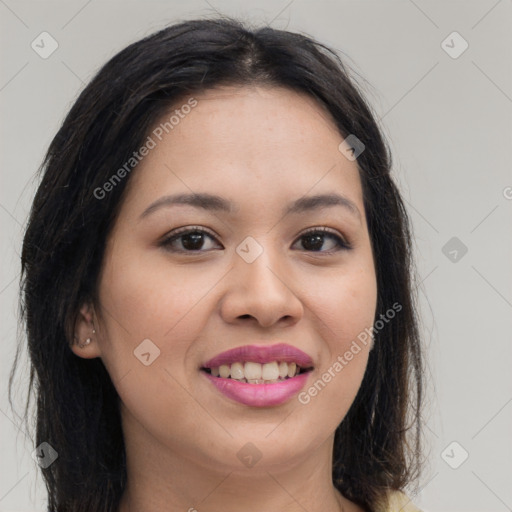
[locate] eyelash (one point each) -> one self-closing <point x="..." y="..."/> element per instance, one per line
<point x="341" y="243"/>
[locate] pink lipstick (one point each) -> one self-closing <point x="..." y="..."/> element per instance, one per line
<point x="262" y="354"/>
<point x="259" y="375"/>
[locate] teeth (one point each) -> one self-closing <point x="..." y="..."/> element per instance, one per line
<point x="270" y="371"/>
<point x="224" y="371"/>
<point x="256" y="373"/>
<point x="237" y="371"/>
<point x="252" y="371"/>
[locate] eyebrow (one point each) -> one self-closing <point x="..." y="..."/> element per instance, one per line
<point x="216" y="203"/>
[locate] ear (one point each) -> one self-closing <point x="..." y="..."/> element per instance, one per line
<point x="85" y="343"/>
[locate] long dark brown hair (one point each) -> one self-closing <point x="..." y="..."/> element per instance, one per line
<point x="377" y="445"/>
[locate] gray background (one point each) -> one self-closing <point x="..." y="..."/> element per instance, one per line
<point x="449" y="124"/>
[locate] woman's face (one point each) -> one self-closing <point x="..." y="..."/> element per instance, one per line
<point x="185" y="281"/>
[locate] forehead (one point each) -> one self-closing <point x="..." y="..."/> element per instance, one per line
<point x="246" y="143"/>
<point x="270" y="115"/>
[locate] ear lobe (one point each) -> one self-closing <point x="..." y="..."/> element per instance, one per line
<point x="85" y="341"/>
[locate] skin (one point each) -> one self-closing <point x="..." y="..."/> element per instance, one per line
<point x="261" y="148"/>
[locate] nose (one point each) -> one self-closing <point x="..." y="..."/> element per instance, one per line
<point x="261" y="292"/>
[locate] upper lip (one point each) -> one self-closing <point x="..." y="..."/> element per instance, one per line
<point x="261" y="354"/>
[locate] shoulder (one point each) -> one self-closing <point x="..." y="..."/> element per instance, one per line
<point x="400" y="502"/>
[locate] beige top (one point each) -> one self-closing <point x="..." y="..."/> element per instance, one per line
<point x="399" y="502"/>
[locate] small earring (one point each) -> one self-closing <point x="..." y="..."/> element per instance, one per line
<point x="88" y="340"/>
<point x="85" y="343"/>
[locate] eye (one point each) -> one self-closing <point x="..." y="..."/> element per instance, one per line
<point x="189" y="239"/>
<point x="323" y="240"/>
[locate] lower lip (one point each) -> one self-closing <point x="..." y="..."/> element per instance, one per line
<point x="259" y="395"/>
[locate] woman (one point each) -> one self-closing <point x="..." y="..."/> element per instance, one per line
<point x="217" y="286"/>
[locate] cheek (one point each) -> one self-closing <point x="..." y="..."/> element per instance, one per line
<point x="143" y="299"/>
<point x="345" y="311"/>
<point x="333" y="387"/>
<point x="349" y="315"/>
<point x="150" y="298"/>
<point x="345" y="306"/>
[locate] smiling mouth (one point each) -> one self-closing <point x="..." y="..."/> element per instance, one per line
<point x="257" y="373"/>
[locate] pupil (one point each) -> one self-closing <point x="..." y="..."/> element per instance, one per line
<point x="315" y="242"/>
<point x="193" y="241"/>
